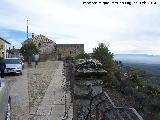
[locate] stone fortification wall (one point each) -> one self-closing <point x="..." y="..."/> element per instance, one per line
<point x="90" y="101"/>
<point x="68" y="50"/>
<point x="49" y="49"/>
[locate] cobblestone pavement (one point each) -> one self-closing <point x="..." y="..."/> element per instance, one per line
<point x="40" y="94"/>
<point x="19" y="96"/>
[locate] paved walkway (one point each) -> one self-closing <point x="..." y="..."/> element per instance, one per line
<point x="19" y="96"/>
<point x="51" y="102"/>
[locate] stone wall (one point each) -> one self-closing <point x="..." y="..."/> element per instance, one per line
<point x="68" y="50"/>
<point x="45" y="45"/>
<point x="49" y="48"/>
<point x="90" y="101"/>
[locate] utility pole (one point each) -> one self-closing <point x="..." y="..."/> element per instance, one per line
<point x="30" y="52"/>
<point x="27" y="29"/>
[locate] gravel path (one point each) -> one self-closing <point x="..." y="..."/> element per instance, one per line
<point x="39" y="94"/>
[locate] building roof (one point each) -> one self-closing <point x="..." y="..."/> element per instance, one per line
<point x="39" y="38"/>
<point x="5" y="40"/>
<point x="70" y="44"/>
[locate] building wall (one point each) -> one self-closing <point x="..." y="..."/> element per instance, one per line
<point x="3" y="48"/>
<point x="49" y="48"/>
<point x="68" y="50"/>
<point x="7" y="46"/>
<point x="45" y="45"/>
<point x="46" y="48"/>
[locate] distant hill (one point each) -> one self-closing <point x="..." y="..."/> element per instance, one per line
<point x="138" y="58"/>
<point x="151" y="68"/>
<point x="148" y="63"/>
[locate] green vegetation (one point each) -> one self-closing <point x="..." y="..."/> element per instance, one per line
<point x="137" y="84"/>
<point x="145" y="94"/>
<point x="82" y="55"/>
<point x="104" y="56"/>
<point x="154" y="69"/>
<point x="28" y="49"/>
<point x="142" y="87"/>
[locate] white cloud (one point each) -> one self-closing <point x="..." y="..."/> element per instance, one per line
<point x="4" y="33"/>
<point x="15" y="42"/>
<point x="123" y="28"/>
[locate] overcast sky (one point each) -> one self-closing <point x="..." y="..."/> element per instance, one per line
<point x="123" y="28"/>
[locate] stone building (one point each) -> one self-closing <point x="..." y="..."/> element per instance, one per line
<point x="45" y="45"/>
<point x="68" y="50"/>
<point x="49" y="48"/>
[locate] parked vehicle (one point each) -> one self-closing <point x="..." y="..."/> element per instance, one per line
<point x="5" y="102"/>
<point x="14" y="65"/>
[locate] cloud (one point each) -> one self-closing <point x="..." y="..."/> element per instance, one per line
<point x="14" y="42"/>
<point x="123" y="28"/>
<point x="4" y="33"/>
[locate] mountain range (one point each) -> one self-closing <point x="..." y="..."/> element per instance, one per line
<point x="149" y="63"/>
<point x="138" y="58"/>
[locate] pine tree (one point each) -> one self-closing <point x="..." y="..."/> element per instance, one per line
<point x="104" y="56"/>
<point x="82" y="55"/>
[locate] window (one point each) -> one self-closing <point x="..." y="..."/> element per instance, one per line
<point x="1" y="46"/>
<point x="12" y="61"/>
<point x="39" y="45"/>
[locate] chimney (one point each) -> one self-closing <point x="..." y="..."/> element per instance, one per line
<point x="32" y="35"/>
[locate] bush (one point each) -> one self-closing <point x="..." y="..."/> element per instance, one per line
<point x="152" y="91"/>
<point x="129" y="91"/>
<point x="82" y="55"/>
